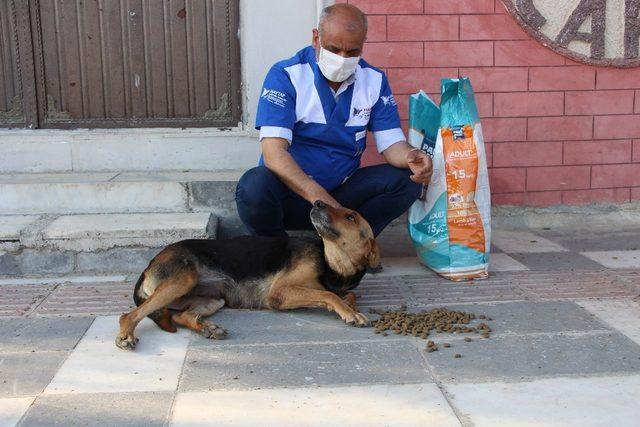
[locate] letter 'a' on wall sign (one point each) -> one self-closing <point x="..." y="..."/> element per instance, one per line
<point x="596" y="32"/>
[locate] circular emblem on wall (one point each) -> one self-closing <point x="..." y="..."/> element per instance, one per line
<point x="596" y="32"/>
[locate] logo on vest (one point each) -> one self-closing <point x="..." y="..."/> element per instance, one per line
<point x="274" y="96"/>
<point x="388" y="100"/>
<point x="361" y="113"/>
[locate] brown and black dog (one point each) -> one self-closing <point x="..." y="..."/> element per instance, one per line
<point x="279" y="273"/>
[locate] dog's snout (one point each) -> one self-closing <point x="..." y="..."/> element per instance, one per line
<point x="319" y="204"/>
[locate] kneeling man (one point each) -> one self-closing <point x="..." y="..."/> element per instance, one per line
<point x="313" y="115"/>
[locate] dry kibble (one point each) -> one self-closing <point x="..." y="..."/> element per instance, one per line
<point x="439" y="320"/>
<point x="457" y="356"/>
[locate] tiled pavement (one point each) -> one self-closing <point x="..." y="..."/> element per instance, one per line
<point x="564" y="350"/>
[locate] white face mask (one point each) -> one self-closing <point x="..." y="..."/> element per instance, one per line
<point x="334" y="67"/>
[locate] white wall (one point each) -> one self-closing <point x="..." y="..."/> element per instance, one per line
<point x="271" y="30"/>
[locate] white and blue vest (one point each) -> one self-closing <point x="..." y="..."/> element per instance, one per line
<point x="327" y="132"/>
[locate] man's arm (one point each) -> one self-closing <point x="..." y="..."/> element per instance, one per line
<point x="402" y="155"/>
<point x="279" y="161"/>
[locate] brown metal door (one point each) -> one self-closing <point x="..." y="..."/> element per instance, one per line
<point x="119" y="63"/>
<point x="17" y="84"/>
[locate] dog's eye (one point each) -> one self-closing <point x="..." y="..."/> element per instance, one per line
<point x="351" y="218"/>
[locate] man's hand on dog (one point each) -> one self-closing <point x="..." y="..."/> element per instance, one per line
<point x="420" y="165"/>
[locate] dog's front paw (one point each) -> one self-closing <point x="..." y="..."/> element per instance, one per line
<point x="357" y="319"/>
<point x="127" y="343"/>
<point x="212" y="331"/>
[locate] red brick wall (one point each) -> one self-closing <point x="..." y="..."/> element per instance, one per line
<point x="556" y="131"/>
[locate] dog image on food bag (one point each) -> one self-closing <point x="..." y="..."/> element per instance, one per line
<point x="278" y="273"/>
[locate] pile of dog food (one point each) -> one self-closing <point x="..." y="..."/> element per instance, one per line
<point x="440" y="320"/>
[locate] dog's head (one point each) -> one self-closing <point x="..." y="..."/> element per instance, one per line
<point x="349" y="243"/>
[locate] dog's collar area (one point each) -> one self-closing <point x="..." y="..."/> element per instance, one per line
<point x="337" y="283"/>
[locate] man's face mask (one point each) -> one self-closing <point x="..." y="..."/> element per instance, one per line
<point x="334" y="67"/>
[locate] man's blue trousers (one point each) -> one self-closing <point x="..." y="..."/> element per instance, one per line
<point x="268" y="207"/>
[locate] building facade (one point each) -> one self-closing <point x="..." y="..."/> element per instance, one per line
<point x="175" y="88"/>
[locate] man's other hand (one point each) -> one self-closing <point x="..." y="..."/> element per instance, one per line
<point x="420" y="164"/>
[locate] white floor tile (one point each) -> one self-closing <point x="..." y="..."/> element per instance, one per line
<point x="378" y="405"/>
<point x="503" y="262"/>
<point x="599" y="401"/>
<point x="96" y="365"/>
<point x="517" y="241"/>
<point x="11" y="410"/>
<point x="616" y="259"/>
<point x="621" y="315"/>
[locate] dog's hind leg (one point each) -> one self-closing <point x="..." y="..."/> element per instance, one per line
<point x="162" y="318"/>
<point x="198" y="308"/>
<point x="170" y="289"/>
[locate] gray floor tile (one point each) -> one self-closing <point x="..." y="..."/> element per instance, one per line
<point x="268" y="327"/>
<point x="310" y="326"/>
<point x="100" y="409"/>
<point x="41" y="334"/>
<point x="289" y="365"/>
<point x="496" y="250"/>
<point x="595" y="241"/>
<point x="550" y="261"/>
<point x="516" y="358"/>
<point x="27" y="374"/>
<point x="522" y="241"/>
<point x="394" y="241"/>
<point x="534" y="317"/>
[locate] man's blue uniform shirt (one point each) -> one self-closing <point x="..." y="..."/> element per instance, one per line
<point x="327" y="134"/>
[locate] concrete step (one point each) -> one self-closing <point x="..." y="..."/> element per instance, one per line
<point x="119" y="192"/>
<point x="104" y="150"/>
<point x="93" y="243"/>
<point x="92" y="232"/>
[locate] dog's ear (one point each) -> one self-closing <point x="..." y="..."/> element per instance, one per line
<point x="373" y="257"/>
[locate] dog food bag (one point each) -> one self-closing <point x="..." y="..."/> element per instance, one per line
<point x="450" y="225"/>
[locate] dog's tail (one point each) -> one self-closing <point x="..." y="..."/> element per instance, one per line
<point x="138" y="296"/>
<point x="161" y="317"/>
